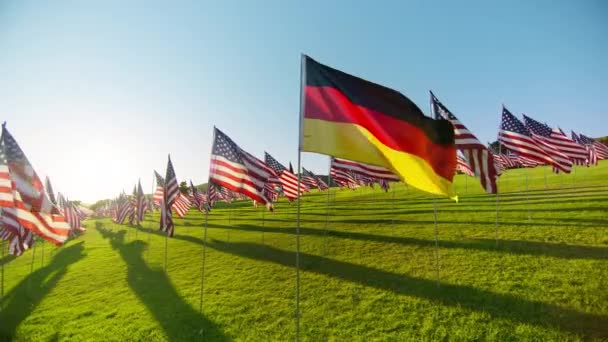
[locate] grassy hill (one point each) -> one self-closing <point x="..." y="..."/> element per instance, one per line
<point x="371" y="275"/>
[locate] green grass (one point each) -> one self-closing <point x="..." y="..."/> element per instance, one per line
<point x="372" y="276"/>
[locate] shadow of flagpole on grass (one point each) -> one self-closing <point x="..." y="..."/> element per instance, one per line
<point x="23" y="299"/>
<point x="177" y="318"/>
<point x="519" y="247"/>
<point x="502" y="306"/>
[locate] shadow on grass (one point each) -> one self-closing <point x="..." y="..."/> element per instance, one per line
<point x="498" y="305"/>
<point x="177" y="318"/>
<point x="25" y="297"/>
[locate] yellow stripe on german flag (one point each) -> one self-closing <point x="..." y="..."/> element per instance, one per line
<point x="347" y="117"/>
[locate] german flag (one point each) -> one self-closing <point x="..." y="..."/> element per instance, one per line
<point x="348" y="117"/>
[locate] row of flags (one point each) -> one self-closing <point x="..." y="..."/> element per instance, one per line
<point x="27" y="206"/>
<point x="374" y="135"/>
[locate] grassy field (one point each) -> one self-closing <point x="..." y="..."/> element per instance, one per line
<point x="370" y="276"/>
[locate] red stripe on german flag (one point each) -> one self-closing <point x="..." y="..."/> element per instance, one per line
<point x="348" y="117"/>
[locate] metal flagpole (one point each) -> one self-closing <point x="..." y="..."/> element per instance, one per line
<point x="166" y="245"/>
<point x="300" y="137"/>
<point x="203" y="261"/>
<point x="33" y="256"/>
<point x="42" y="251"/>
<point x="497" y="211"/>
<point x="3" y="246"/>
<point x="545" y="168"/>
<point x="393" y="208"/>
<point x="436" y="238"/>
<point x="229" y="219"/>
<point x="466" y="184"/>
<point x="527" y="194"/>
<point x="263" y="221"/>
<point x="151" y="214"/>
<point x="327" y="208"/>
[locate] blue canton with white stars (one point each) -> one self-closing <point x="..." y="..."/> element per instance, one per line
<point x="225" y="147"/>
<point x="537" y="127"/>
<point x="273" y="163"/>
<point x="512" y="124"/>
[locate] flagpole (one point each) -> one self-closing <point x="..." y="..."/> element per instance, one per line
<point x="545" y="168"/>
<point x="33" y="256"/>
<point x="166" y="245"/>
<point x="393" y="208"/>
<point x="527" y="194"/>
<point x="3" y="246"/>
<point x="300" y="138"/>
<point x="327" y="207"/>
<point x="42" y="251"/>
<point x="466" y="183"/>
<point x="436" y="238"/>
<point x="263" y="221"/>
<point x="203" y="261"/>
<point x="151" y="214"/>
<point x="497" y="211"/>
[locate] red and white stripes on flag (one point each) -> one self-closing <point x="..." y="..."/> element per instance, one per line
<point x="463" y="167"/>
<point x="574" y="151"/>
<point x="170" y="195"/>
<point x="141" y="205"/>
<point x="343" y="178"/>
<point x="237" y="170"/>
<point x="32" y="208"/>
<point x="364" y="170"/>
<point x="517" y="138"/>
<point x="182" y="205"/>
<point x="19" y="238"/>
<point x="288" y="180"/>
<point x="591" y="158"/>
<point x="541" y="134"/>
<point x="476" y="154"/>
<point x="600" y="149"/>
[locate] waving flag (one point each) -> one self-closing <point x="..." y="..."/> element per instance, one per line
<point x="182" y="205"/>
<point x="170" y="194"/>
<point x="463" y="167"/>
<point x="312" y="180"/>
<point x="32" y="207"/>
<point x="157" y="198"/>
<point x="288" y="181"/>
<point x="348" y="117"/>
<point x="600" y="149"/>
<point x="19" y="238"/>
<point x="364" y="170"/>
<point x="517" y="138"/>
<point x="198" y="199"/>
<point x="478" y="158"/>
<point x="237" y="170"/>
<point x="591" y="158"/>
<point x="541" y="134"/>
<point x="569" y="147"/>
<point x="141" y="203"/>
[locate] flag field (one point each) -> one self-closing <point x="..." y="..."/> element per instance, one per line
<point x="368" y="272"/>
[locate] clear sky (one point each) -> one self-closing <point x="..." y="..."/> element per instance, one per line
<point x="97" y="93"/>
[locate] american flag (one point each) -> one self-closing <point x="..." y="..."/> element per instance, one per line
<point x="133" y="203"/>
<point x="211" y="195"/>
<point x="313" y="180"/>
<point x="124" y="208"/>
<point x="18" y="237"/>
<point x="170" y="195"/>
<point x="505" y="161"/>
<point x="600" y="149"/>
<point x="270" y="192"/>
<point x="198" y="198"/>
<point x="476" y="154"/>
<point x="182" y="204"/>
<point x="237" y="170"/>
<point x="517" y="138"/>
<point x="49" y="190"/>
<point x="366" y="171"/>
<point x="141" y="205"/>
<point x="576" y="152"/>
<point x="463" y="167"/>
<point x="68" y="210"/>
<point x="157" y="198"/>
<point x="591" y="158"/>
<point x="343" y="178"/>
<point x="288" y="180"/>
<point x="32" y="207"/>
<point x="541" y="133"/>
<point x="384" y="184"/>
<point x="226" y="195"/>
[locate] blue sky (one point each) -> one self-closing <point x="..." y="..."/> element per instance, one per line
<point x="99" y="92"/>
